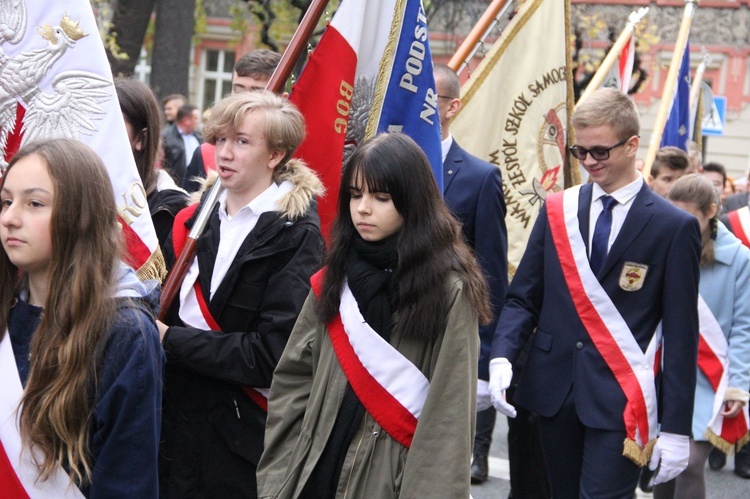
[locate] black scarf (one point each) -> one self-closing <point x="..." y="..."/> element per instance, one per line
<point x="369" y="269"/>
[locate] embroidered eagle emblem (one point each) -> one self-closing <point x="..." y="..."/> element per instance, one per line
<point x="74" y="104"/>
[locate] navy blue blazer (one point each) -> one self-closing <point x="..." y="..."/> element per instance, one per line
<point x="473" y="190"/>
<point x="563" y="357"/>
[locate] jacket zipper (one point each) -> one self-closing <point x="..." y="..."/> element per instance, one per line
<point x="351" y="471"/>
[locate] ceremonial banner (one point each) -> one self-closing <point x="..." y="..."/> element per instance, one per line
<point x="677" y="129"/>
<point x="516" y="107"/>
<point x="55" y="82"/>
<point x="371" y="52"/>
<point x="621" y="73"/>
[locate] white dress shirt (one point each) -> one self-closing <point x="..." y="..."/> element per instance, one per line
<point x="624" y="196"/>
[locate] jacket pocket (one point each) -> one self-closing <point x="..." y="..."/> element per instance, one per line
<point x="542" y="341"/>
<point x="243" y="434"/>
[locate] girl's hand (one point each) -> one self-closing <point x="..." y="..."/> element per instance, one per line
<point x="733" y="408"/>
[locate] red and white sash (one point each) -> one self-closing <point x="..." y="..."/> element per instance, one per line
<point x="633" y="369"/>
<point x="713" y="361"/>
<point x="391" y="388"/>
<point x="740" y="222"/>
<point x="194" y="311"/>
<point x="18" y="474"/>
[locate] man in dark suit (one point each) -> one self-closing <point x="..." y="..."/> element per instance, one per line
<point x="473" y="191"/>
<point x="609" y="268"/>
<point x="181" y="139"/>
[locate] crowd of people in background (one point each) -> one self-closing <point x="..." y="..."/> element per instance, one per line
<point x="372" y="361"/>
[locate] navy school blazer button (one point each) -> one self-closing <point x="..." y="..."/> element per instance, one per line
<point x="450" y="172"/>
<point x="579" y="345"/>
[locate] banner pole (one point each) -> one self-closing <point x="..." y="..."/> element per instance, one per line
<point x="275" y="84"/>
<point x="667" y="94"/>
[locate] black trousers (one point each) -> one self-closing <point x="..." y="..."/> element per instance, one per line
<point x="528" y="475"/>
<point x="585" y="462"/>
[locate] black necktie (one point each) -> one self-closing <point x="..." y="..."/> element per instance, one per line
<point x="600" y="241"/>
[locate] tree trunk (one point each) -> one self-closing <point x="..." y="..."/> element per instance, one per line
<point x="129" y="22"/>
<point x="170" y="65"/>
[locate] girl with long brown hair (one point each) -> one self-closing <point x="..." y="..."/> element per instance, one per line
<point x="80" y="359"/>
<point x="375" y="394"/>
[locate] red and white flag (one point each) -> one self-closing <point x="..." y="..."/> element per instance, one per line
<point x="55" y="81"/>
<point x="371" y="72"/>
<point x="622" y="72"/>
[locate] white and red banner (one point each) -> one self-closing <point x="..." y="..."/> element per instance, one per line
<point x="391" y="388"/>
<point x="713" y="361"/>
<point x="515" y="113"/>
<point x="634" y="370"/>
<point x="372" y="65"/>
<point x="18" y="473"/>
<point x="620" y="75"/>
<point x="739" y="220"/>
<point x="55" y="81"/>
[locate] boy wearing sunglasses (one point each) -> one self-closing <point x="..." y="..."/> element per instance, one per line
<point x="607" y="286"/>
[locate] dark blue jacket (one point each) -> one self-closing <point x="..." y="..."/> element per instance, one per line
<point x="473" y="190"/>
<point x="126" y="417"/>
<point x="563" y="358"/>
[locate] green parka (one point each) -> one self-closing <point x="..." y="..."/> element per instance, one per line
<point x="306" y="393"/>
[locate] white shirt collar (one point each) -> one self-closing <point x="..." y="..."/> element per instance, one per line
<point x="446" y="145"/>
<point x="263" y="202"/>
<point x="623" y="195"/>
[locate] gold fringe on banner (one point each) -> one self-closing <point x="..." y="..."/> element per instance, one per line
<point x="723" y="445"/>
<point x="154" y="268"/>
<point x="634" y="452"/>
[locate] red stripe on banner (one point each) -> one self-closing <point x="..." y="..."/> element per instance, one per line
<point x="395" y="419"/>
<point x="179" y="231"/>
<point x="733" y="429"/>
<point x="10" y="485"/>
<point x="256" y="397"/>
<point x="209" y="157"/>
<point x="323" y="94"/>
<point x="251" y="392"/>
<point x="597" y="329"/>
<point x="737" y="228"/>
<point x="709" y="363"/>
<point x="13" y="144"/>
<point x="204" y="307"/>
<point x="137" y="252"/>
<point x="623" y="62"/>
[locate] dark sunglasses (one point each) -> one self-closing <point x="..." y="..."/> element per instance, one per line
<point x="598" y="153"/>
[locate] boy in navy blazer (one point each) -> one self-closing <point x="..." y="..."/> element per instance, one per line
<point x="610" y="268"/>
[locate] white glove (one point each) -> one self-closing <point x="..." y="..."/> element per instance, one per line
<point x="673" y="451"/>
<point x="483" y="395"/>
<point x="501" y="373"/>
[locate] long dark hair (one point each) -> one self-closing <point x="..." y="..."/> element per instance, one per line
<point x="429" y="244"/>
<point x="141" y="109"/>
<point x="78" y="311"/>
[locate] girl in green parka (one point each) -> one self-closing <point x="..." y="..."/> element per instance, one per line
<point x="375" y="393"/>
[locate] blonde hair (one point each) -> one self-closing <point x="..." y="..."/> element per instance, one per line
<point x="609" y="107"/>
<point x="285" y="125"/>
<point x="700" y="192"/>
<point x="78" y="311"/>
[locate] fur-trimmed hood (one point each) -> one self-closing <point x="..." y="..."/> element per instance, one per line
<point x="293" y="204"/>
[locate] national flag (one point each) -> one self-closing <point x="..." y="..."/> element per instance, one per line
<point x="677" y="129"/>
<point x="371" y="72"/>
<point x="622" y="71"/>
<point x="515" y="112"/>
<point x="55" y="81"/>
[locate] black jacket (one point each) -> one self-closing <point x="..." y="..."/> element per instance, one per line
<point x="212" y="435"/>
<point x="175" y="161"/>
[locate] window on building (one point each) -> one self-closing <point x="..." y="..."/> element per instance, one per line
<point x="216" y="81"/>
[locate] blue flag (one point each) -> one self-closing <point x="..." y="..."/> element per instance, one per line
<point x="677" y="130"/>
<point x="405" y="96"/>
